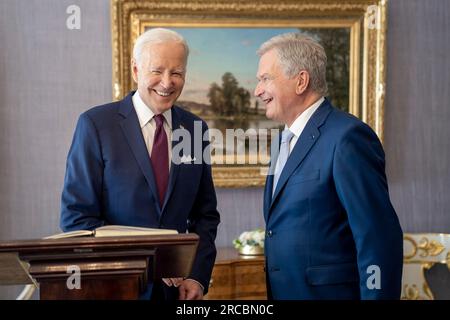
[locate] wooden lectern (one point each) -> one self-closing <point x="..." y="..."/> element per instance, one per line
<point x="110" y="267"/>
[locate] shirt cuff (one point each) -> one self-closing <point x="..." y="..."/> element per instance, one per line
<point x="201" y="286"/>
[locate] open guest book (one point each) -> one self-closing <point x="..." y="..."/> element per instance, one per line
<point x="114" y="231"/>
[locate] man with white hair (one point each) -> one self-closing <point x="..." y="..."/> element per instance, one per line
<point x="331" y="230"/>
<point x="121" y="170"/>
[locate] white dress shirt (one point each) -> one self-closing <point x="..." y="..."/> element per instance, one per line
<point x="148" y="124"/>
<point x="300" y="123"/>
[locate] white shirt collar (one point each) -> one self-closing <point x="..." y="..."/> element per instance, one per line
<point x="299" y="124"/>
<point x="145" y="114"/>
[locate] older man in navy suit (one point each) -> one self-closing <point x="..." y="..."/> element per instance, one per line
<point x="121" y="170"/>
<point x="331" y="230"/>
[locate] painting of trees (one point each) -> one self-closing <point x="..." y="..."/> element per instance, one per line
<point x="229" y="99"/>
<point x="336" y="42"/>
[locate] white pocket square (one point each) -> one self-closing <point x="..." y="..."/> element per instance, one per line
<point x="187" y="159"/>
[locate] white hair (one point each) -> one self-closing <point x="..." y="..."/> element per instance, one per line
<point x="297" y="52"/>
<point x="154" y="36"/>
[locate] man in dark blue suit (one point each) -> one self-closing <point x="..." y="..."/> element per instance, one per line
<point x="121" y="170"/>
<point x="331" y="230"/>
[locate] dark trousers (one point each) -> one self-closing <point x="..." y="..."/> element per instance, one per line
<point x="159" y="291"/>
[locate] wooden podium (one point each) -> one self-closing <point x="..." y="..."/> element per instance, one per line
<point x="109" y="267"/>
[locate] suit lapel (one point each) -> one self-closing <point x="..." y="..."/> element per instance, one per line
<point x="268" y="195"/>
<point x="133" y="134"/>
<point x="274" y="152"/>
<point x="306" y="141"/>
<point x="174" y="169"/>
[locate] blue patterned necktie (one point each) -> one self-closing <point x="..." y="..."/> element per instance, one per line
<point x="286" y="137"/>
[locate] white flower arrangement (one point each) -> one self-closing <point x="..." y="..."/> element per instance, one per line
<point x="250" y="242"/>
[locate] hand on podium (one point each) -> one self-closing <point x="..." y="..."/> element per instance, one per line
<point x="189" y="289"/>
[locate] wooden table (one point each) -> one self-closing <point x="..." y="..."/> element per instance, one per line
<point x="237" y="277"/>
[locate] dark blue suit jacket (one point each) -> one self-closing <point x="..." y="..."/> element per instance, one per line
<point x="330" y="217"/>
<point x="109" y="180"/>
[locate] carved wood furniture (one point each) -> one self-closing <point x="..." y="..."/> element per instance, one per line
<point x="109" y="267"/>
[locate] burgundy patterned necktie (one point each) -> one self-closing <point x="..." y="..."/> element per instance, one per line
<point x="160" y="158"/>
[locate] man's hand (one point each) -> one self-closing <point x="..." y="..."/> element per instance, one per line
<point x="172" y="281"/>
<point x="190" y="290"/>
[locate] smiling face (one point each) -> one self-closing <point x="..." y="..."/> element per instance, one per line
<point x="277" y="91"/>
<point x="160" y="74"/>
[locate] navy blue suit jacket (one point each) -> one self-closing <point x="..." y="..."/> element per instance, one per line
<point x="330" y="218"/>
<point x="109" y="180"/>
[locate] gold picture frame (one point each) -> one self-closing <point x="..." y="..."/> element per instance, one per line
<point x="365" y="19"/>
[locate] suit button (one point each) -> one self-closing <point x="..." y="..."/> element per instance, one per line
<point x="269" y="233"/>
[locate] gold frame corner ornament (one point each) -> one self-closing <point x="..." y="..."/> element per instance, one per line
<point x="366" y="19"/>
<point x="421" y="252"/>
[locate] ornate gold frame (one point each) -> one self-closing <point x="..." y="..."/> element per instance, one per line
<point x="421" y="252"/>
<point x="367" y="50"/>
